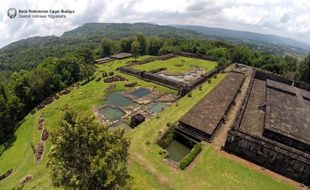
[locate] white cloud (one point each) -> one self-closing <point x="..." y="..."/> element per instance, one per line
<point x="289" y="18"/>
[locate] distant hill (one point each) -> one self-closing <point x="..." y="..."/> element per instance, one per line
<point x="27" y="53"/>
<point x="118" y="30"/>
<point x="246" y="37"/>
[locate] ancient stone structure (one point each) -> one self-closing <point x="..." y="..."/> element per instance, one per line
<point x="121" y="56"/>
<point x="208" y="114"/>
<point x="272" y="128"/>
<point x="136" y="120"/>
<point x="182" y="87"/>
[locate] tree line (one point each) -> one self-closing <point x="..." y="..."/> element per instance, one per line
<point x="27" y="88"/>
<point x="220" y="51"/>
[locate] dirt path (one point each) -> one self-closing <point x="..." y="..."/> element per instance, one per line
<point x="221" y="134"/>
<point x="149" y="169"/>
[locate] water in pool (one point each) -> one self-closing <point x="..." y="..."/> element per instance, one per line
<point x="177" y="151"/>
<point x="141" y="92"/>
<point x="157" y="107"/>
<point x="118" y="99"/>
<point x="112" y="114"/>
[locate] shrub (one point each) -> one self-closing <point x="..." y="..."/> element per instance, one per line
<point x="191" y="156"/>
<point x="98" y="79"/>
<point x="147" y="143"/>
<point x="209" y="81"/>
<point x="189" y="95"/>
<point x="111" y="73"/>
<point x="215" y="76"/>
<point x="200" y="87"/>
<point x="168" y="124"/>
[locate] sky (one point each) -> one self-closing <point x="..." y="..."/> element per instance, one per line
<point x="287" y="18"/>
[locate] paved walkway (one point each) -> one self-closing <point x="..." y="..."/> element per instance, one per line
<point x="221" y="134"/>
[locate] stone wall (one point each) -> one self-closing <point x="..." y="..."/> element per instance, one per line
<point x="264" y="75"/>
<point x="302" y="85"/>
<point x="193" y="55"/>
<point x="182" y="87"/>
<point x="269" y="154"/>
<point x="286" y="140"/>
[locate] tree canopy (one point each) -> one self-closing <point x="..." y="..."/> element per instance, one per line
<point x="86" y="155"/>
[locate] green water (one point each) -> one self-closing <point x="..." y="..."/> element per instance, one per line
<point x="112" y="114"/>
<point x="157" y="107"/>
<point x="122" y="125"/>
<point x="118" y="99"/>
<point x="141" y="92"/>
<point x="177" y="151"/>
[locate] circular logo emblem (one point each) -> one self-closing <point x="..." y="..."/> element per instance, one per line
<point x="12" y="13"/>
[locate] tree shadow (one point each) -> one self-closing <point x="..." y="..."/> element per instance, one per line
<point x="10" y="139"/>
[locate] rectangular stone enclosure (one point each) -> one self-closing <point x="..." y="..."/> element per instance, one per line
<point x="205" y="117"/>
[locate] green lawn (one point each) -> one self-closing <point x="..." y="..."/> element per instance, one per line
<point x="177" y="65"/>
<point x="149" y="171"/>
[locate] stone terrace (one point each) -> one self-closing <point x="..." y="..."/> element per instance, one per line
<point x="253" y="119"/>
<point x="204" y="118"/>
<point x="287" y="114"/>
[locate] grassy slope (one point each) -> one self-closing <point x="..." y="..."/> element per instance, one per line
<point x="19" y="156"/>
<point x="145" y="165"/>
<point x="170" y="64"/>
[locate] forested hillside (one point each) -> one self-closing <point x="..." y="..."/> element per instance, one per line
<point x="249" y="37"/>
<point x="28" y="53"/>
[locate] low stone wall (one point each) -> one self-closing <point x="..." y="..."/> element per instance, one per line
<point x="193" y="55"/>
<point x="286" y="140"/>
<point x="269" y="154"/>
<point x="302" y="85"/>
<point x="264" y="75"/>
<point x="182" y="87"/>
<point x="163" y="80"/>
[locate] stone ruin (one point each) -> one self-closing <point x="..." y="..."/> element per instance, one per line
<point x="182" y="87"/>
<point x="272" y="128"/>
<point x="136" y="120"/>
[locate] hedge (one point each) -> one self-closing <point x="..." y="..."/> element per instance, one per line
<point x="191" y="156"/>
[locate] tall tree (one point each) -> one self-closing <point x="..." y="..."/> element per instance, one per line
<point x="154" y="45"/>
<point x="126" y="44"/>
<point x="86" y="72"/>
<point x="106" y="46"/>
<point x="84" y="52"/>
<point x="135" y="49"/>
<point x="87" y="155"/>
<point x="143" y="44"/>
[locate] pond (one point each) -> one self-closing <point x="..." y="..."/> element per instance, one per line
<point x="177" y="151"/>
<point x="122" y="125"/>
<point x="157" y="107"/>
<point x="141" y="92"/>
<point x="112" y="114"/>
<point x="118" y="99"/>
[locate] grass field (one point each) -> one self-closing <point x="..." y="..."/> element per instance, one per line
<point x="211" y="169"/>
<point x="177" y="65"/>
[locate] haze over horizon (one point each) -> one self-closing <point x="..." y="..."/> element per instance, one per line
<point x="285" y="18"/>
